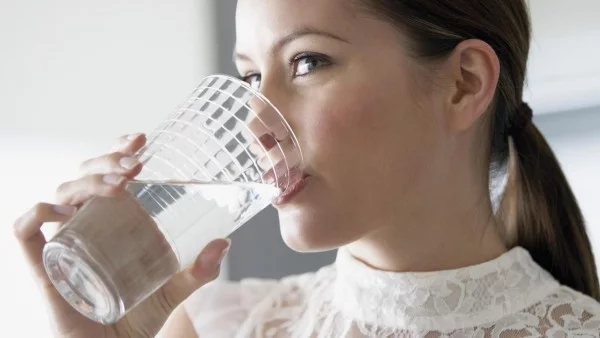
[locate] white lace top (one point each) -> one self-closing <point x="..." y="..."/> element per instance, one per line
<point x="508" y="297"/>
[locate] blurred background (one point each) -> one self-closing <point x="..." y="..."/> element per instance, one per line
<point x="75" y="74"/>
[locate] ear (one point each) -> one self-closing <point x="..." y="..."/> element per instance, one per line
<point x="474" y="69"/>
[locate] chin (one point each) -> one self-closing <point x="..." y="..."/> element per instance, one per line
<point x="306" y="231"/>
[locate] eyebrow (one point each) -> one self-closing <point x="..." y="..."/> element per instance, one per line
<point x="291" y="37"/>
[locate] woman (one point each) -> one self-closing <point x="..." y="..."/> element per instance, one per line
<point x="409" y="114"/>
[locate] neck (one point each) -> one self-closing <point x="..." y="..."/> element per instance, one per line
<point x="431" y="244"/>
<point x="451" y="228"/>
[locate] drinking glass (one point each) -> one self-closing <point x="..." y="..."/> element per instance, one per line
<point x="208" y="168"/>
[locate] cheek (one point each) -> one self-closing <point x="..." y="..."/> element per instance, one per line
<point x="368" y="146"/>
<point x="363" y="124"/>
<point x="340" y="121"/>
<point x="370" y="143"/>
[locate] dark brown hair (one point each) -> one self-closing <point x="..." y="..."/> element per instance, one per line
<point x="545" y="216"/>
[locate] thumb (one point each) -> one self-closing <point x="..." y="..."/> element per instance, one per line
<point x="148" y="317"/>
<point x="205" y="269"/>
<point x="208" y="263"/>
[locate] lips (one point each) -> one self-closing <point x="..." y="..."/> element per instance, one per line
<point x="297" y="182"/>
<point x="290" y="182"/>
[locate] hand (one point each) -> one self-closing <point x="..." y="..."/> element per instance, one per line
<point x="107" y="176"/>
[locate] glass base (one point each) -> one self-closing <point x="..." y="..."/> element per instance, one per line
<point x="79" y="280"/>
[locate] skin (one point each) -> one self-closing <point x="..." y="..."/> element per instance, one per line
<point x="394" y="146"/>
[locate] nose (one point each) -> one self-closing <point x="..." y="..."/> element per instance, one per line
<point x="266" y="119"/>
<point x="272" y="115"/>
<point x="271" y="128"/>
<point x="277" y="94"/>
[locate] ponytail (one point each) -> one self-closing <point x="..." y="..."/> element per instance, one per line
<point x="538" y="208"/>
<point x="547" y="220"/>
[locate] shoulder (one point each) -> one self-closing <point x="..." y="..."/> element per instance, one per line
<point x="230" y="306"/>
<point x="568" y="312"/>
<point x="581" y="306"/>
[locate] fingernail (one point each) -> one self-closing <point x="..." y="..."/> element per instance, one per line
<point x="66" y="210"/>
<point x="133" y="136"/>
<point x="113" y="179"/>
<point x="128" y="162"/>
<point x="225" y="251"/>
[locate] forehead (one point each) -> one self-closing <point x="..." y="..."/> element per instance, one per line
<point x="264" y="21"/>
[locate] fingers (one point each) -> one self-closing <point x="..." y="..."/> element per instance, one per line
<point x="129" y="144"/>
<point x="104" y="175"/>
<point x="30" y="223"/>
<point x="78" y="191"/>
<point x="116" y="162"/>
<point x="151" y="314"/>
<point x="205" y="269"/>
<point x="208" y="264"/>
<point x="28" y="232"/>
<point x="121" y="160"/>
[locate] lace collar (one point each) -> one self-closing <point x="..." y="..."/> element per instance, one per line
<point x="445" y="300"/>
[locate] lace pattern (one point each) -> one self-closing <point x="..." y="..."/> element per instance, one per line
<point x="510" y="296"/>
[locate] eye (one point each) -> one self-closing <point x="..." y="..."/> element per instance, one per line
<point x="305" y="64"/>
<point x="253" y="80"/>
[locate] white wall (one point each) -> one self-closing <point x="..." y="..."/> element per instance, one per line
<point x="564" y="72"/>
<point x="575" y="138"/>
<point x="74" y="74"/>
<point x="563" y="82"/>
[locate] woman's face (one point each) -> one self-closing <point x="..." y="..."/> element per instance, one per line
<point x="368" y="127"/>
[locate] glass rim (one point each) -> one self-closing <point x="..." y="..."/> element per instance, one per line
<point x="292" y="165"/>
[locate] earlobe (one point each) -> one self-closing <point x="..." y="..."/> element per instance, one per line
<point x="475" y="71"/>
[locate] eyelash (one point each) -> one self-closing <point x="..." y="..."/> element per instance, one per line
<point x="293" y="63"/>
<point x="304" y="56"/>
